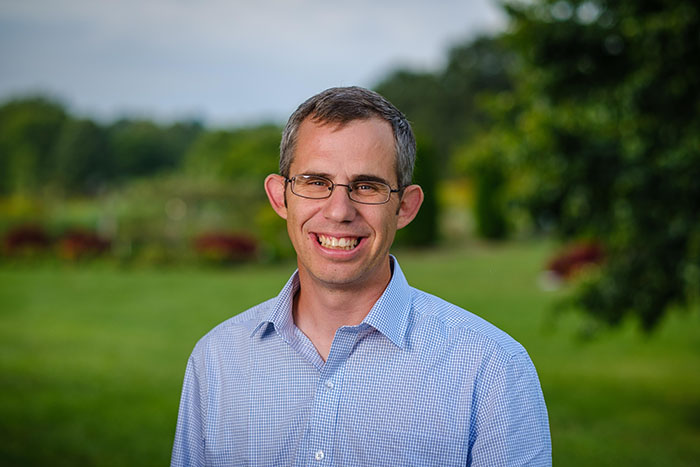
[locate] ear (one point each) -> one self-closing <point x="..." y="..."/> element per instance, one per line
<point x="274" y="187"/>
<point x="410" y="204"/>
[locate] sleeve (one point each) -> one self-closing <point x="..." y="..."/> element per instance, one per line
<point x="188" y="448"/>
<point x="511" y="426"/>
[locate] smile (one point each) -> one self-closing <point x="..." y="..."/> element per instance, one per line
<point x="337" y="243"/>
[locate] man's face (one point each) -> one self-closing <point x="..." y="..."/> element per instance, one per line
<point x="317" y="228"/>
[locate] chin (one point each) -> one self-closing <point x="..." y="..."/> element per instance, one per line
<point x="337" y="276"/>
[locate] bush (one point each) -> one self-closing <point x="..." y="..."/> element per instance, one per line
<point x="80" y="244"/>
<point x="490" y="206"/>
<point x="26" y="240"/>
<point x="224" y="247"/>
<point x="423" y="231"/>
<point x="572" y="260"/>
<point x="271" y="229"/>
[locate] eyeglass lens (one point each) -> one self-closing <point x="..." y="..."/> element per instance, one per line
<point x="316" y="187"/>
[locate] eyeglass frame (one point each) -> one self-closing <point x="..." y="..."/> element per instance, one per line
<point x="347" y="186"/>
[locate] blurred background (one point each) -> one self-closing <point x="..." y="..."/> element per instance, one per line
<point x="558" y="147"/>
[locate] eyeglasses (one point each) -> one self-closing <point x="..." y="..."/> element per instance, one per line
<point x="360" y="191"/>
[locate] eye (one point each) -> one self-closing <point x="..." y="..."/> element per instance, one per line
<point x="314" y="181"/>
<point x="366" y="187"/>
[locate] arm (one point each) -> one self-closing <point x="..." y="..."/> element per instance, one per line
<point x="510" y="423"/>
<point x="188" y="448"/>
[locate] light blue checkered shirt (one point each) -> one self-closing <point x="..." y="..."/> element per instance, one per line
<point x="419" y="382"/>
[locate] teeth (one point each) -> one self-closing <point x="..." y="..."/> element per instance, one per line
<point x="343" y="243"/>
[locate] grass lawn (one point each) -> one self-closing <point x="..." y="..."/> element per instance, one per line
<point x="92" y="359"/>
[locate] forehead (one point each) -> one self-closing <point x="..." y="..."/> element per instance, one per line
<point x="358" y="147"/>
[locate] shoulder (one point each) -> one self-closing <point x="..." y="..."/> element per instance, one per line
<point x="460" y="329"/>
<point x="470" y="349"/>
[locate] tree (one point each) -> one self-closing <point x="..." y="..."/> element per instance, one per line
<point x="423" y="231"/>
<point x="29" y="128"/>
<point x="449" y="106"/>
<point x="444" y="104"/>
<point x="82" y="159"/>
<point x="143" y="148"/>
<point x="607" y="114"/>
<point x="241" y="154"/>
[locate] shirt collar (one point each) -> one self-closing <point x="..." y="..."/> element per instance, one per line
<point x="280" y="315"/>
<point x="389" y="315"/>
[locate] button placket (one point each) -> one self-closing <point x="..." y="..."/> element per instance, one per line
<point x="326" y="407"/>
<point x="321" y="436"/>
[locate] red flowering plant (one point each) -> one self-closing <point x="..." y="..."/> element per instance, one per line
<point x="225" y="247"/>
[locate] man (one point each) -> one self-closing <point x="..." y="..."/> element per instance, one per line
<point x="349" y="365"/>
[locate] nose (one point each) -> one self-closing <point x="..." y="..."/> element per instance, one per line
<point x="338" y="206"/>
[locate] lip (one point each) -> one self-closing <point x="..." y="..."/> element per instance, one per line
<point x="338" y="253"/>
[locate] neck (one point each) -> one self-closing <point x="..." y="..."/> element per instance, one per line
<point x="320" y="309"/>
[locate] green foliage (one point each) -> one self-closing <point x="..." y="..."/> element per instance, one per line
<point x="417" y="94"/>
<point x="272" y="233"/>
<point x="607" y="111"/>
<point x="143" y="148"/>
<point x="487" y="159"/>
<point x="449" y="107"/>
<point x="490" y="210"/>
<point x="43" y="147"/>
<point x="244" y="153"/>
<point x="82" y="159"/>
<point x="155" y="220"/>
<point x="584" y="114"/>
<point x="19" y="210"/>
<point x="29" y="129"/>
<point x="444" y="104"/>
<point x="241" y="159"/>
<point x="423" y="230"/>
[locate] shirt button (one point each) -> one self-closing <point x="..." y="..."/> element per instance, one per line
<point x="319" y="455"/>
<point x="329" y="384"/>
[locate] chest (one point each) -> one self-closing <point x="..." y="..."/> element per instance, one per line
<point x="370" y="404"/>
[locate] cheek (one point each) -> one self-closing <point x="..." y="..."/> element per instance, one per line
<point x="296" y="219"/>
<point x="386" y="223"/>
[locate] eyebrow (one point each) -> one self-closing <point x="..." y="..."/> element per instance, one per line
<point x="370" y="178"/>
<point x="356" y="178"/>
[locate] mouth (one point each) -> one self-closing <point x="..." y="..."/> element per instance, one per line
<point x="337" y="243"/>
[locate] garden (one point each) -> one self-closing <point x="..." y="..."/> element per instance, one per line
<point x="560" y="160"/>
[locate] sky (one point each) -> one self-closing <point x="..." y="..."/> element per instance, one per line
<point x="220" y="61"/>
